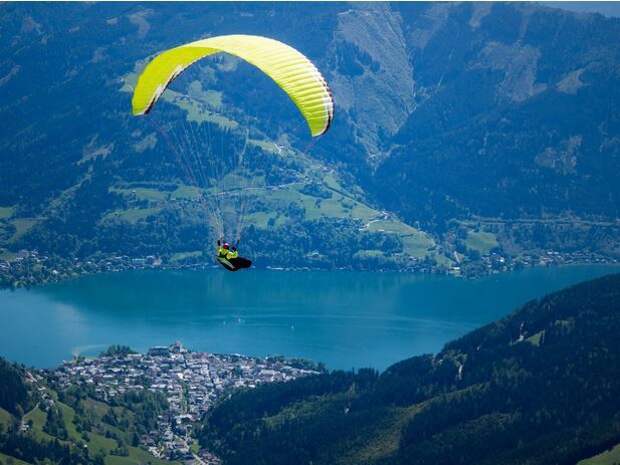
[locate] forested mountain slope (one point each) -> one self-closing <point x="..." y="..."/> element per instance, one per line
<point x="460" y="130"/>
<point x="538" y="387"/>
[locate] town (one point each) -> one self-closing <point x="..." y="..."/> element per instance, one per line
<point x="191" y="382"/>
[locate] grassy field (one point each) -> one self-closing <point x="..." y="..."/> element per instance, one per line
<point x="5" y="418"/>
<point x="535" y="339"/>
<point x="38" y="418"/>
<point x="415" y="242"/>
<point x="481" y="241"/>
<point x="184" y="192"/>
<point x="96" y="440"/>
<point x="198" y="111"/>
<point x="261" y="219"/>
<point x="136" y="457"/>
<point x="609" y="457"/>
<point x="265" y="146"/>
<point x="212" y="98"/>
<point x="338" y="206"/>
<point x="68" y="415"/>
<point x="95" y="407"/>
<point x="442" y="260"/>
<point x="132" y="215"/>
<point x="6" y="212"/>
<point x="22" y="226"/>
<point x="98" y="443"/>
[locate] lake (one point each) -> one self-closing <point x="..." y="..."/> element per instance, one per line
<point x="344" y="319"/>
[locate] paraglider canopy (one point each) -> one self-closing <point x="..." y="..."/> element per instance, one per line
<point x="291" y="70"/>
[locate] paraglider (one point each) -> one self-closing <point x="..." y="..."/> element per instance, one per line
<point x="295" y="74"/>
<point x="228" y="256"/>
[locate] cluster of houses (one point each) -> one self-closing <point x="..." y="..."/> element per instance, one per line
<point x="191" y="382"/>
<point x="29" y="267"/>
<point x="494" y="263"/>
<point x="551" y="257"/>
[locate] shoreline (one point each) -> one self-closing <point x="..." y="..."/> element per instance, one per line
<point x="41" y="270"/>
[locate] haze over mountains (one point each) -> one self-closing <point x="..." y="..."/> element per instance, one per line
<point x="477" y="127"/>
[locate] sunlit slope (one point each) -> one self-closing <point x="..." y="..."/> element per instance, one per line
<point x="51" y="429"/>
<point x="292" y="186"/>
<point x="466" y="122"/>
<point x="608" y="457"/>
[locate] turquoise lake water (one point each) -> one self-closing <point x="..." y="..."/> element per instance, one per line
<point x="344" y="319"/>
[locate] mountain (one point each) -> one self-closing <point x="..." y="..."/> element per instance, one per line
<point x="538" y="387"/>
<point x="463" y="133"/>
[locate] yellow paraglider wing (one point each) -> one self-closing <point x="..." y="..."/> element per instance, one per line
<point x="291" y="70"/>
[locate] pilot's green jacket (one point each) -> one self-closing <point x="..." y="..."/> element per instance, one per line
<point x="227" y="254"/>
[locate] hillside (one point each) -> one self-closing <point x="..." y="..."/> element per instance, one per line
<point x="472" y="135"/>
<point x="538" y="387"/>
<point x="39" y="424"/>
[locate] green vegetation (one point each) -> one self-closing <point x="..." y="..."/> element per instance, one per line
<point x="211" y="97"/>
<point x="265" y="146"/>
<point x="609" y="457"/>
<point x="132" y="215"/>
<point x="6" y="212"/>
<point x="55" y="423"/>
<point x="141" y="193"/>
<point x="15" y="396"/>
<point x="5" y="419"/>
<point x="537" y="338"/>
<point x="116" y="350"/>
<point x="198" y="111"/>
<point x="483" y="242"/>
<point x="186" y="193"/>
<point x="6" y="255"/>
<point x="8" y="460"/>
<point x="135" y="456"/>
<point x="529" y="388"/>
<point x="37" y="418"/>
<point x="415" y="242"/>
<point x="70" y="426"/>
<point x="22" y="226"/>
